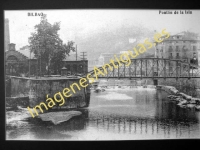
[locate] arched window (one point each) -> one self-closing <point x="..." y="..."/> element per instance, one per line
<point x="12" y="58"/>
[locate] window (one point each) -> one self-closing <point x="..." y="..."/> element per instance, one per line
<point x="176" y="47"/>
<point x="12" y="58"/>
<point x="194" y="48"/>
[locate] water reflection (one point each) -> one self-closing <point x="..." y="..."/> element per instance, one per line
<point x="148" y="115"/>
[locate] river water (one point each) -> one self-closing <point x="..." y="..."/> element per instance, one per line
<point x="115" y="114"/>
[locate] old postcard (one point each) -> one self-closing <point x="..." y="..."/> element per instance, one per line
<point x="102" y="74"/>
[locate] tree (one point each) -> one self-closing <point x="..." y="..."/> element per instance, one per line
<point x="47" y="46"/>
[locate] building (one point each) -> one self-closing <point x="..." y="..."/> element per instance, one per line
<point x="104" y="58"/>
<point x="179" y="47"/>
<point x="18" y="63"/>
<point x="75" y="66"/>
<point x="92" y="63"/>
<point x="198" y="48"/>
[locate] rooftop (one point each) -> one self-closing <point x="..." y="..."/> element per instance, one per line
<point x="183" y="36"/>
<point x="26" y="53"/>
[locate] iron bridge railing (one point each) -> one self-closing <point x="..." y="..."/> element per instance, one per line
<point x="150" y="68"/>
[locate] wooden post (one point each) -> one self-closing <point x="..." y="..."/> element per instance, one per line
<point x="76" y="52"/>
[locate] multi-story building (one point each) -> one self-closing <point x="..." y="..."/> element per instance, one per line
<point x="179" y="47"/>
<point x="105" y="58"/>
<point x="92" y="63"/>
<point x="198" y="53"/>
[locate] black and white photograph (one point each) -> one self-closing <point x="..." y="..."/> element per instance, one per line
<point x="102" y="74"/>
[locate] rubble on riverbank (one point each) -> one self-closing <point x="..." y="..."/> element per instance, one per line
<point x="183" y="100"/>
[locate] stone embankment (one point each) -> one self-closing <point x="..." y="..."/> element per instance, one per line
<point x="182" y="100"/>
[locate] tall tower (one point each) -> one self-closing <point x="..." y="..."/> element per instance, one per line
<point x="6" y="35"/>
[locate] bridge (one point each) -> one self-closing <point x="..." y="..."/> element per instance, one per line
<point x="153" y="68"/>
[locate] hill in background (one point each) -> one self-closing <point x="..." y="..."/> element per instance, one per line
<point x="113" y="41"/>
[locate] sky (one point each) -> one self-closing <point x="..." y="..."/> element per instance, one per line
<point x="84" y="22"/>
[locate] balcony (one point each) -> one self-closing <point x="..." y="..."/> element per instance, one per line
<point x="170" y="57"/>
<point x="178" y="57"/>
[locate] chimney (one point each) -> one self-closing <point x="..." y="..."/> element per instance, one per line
<point x="11" y="47"/>
<point x="6" y="35"/>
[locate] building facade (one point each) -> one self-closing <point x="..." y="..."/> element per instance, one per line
<point x="75" y="66"/>
<point x="104" y="58"/>
<point x="179" y="47"/>
<point x="17" y="63"/>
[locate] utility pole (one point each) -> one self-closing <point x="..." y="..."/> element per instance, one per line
<point x="83" y="61"/>
<point x="76" y="52"/>
<point x="83" y="55"/>
<point x="40" y="65"/>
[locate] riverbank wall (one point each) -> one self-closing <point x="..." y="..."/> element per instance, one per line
<point x="188" y="86"/>
<point x="33" y="91"/>
<point x="183" y="100"/>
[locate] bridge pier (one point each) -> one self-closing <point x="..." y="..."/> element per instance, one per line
<point x="155" y="82"/>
